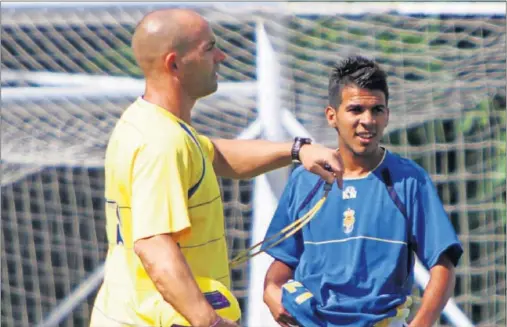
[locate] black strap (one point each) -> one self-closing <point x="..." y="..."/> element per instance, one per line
<point x="310" y="196"/>
<point x="386" y="176"/>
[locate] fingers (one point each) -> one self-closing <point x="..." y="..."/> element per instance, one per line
<point x="326" y="174"/>
<point x="228" y="323"/>
<point x="290" y="320"/>
<point x="281" y="319"/>
<point x="336" y="172"/>
<point x="281" y="316"/>
<point x="286" y="320"/>
<point x="335" y="165"/>
<point x="283" y="323"/>
<point x="339" y="178"/>
<point x="324" y="162"/>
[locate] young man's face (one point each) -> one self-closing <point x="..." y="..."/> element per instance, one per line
<point x="360" y="119"/>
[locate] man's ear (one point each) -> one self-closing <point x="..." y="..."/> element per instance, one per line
<point x="170" y="62"/>
<point x="331" y="116"/>
<point x="387" y="117"/>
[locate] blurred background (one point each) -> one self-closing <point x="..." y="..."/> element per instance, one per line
<point x="68" y="73"/>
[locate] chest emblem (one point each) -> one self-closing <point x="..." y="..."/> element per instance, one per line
<point x="349" y="193"/>
<point x="348" y="221"/>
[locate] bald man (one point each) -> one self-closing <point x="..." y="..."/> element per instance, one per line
<point x="164" y="212"/>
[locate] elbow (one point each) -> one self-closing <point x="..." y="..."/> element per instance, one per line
<point x="234" y="173"/>
<point x="139" y="249"/>
<point x="265" y="298"/>
<point x="269" y="288"/>
<point x="244" y="175"/>
<point x="155" y="268"/>
<point x="237" y="175"/>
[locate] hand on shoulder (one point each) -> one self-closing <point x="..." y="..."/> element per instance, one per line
<point x="323" y="161"/>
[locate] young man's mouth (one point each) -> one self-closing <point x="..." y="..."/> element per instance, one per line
<point x="366" y="137"/>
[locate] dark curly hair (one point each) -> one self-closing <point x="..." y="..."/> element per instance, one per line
<point x="358" y="71"/>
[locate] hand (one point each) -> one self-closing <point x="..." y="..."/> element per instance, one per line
<point x="227" y="323"/>
<point x="218" y="321"/>
<point x="317" y="159"/>
<point x="273" y="299"/>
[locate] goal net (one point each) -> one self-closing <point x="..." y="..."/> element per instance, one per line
<point x="68" y="73"/>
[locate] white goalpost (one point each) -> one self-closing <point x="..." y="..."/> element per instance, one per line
<point x="444" y="61"/>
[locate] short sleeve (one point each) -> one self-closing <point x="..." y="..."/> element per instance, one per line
<point x="160" y="180"/>
<point x="288" y="251"/>
<point x="432" y="230"/>
<point x="207" y="146"/>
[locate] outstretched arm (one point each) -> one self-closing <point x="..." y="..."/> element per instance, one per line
<point x="436" y="294"/>
<point x="249" y="158"/>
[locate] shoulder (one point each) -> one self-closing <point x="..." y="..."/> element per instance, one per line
<point x="163" y="143"/>
<point x="155" y="125"/>
<point x="207" y="146"/>
<point x="402" y="168"/>
<point x="301" y="183"/>
<point x="302" y="178"/>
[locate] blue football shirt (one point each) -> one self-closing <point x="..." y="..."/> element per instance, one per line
<point x="356" y="255"/>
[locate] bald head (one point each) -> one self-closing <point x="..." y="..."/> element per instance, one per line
<point x="164" y="31"/>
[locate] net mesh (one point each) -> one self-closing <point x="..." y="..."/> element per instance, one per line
<point x="447" y="80"/>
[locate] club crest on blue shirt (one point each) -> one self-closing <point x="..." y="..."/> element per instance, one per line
<point x="348" y="221"/>
<point x="349" y="193"/>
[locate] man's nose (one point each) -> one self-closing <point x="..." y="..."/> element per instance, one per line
<point x="367" y="118"/>
<point x="220" y="56"/>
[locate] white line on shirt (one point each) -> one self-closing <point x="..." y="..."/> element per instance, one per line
<point x="355" y="238"/>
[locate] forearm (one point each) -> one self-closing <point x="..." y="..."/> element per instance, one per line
<point x="172" y="277"/>
<point x="277" y="275"/>
<point x="249" y="158"/>
<point x="436" y="294"/>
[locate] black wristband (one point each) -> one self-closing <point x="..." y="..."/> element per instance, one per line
<point x="296" y="147"/>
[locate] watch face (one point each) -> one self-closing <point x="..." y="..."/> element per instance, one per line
<point x="305" y="140"/>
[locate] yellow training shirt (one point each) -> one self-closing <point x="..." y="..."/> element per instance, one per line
<point x="159" y="179"/>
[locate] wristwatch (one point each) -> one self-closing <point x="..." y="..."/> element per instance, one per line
<point x="296" y="147"/>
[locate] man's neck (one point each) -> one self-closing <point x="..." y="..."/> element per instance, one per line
<point x="358" y="166"/>
<point x="171" y="100"/>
